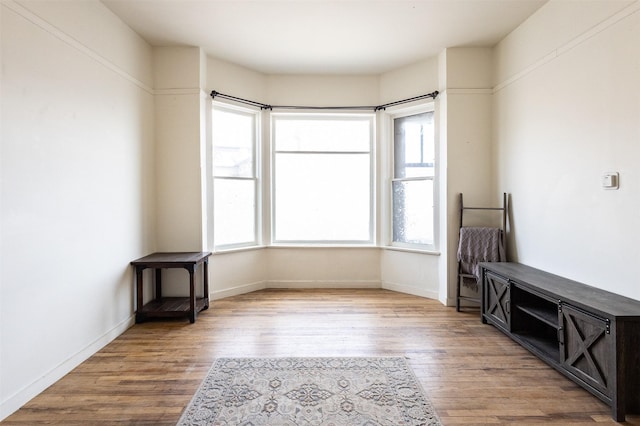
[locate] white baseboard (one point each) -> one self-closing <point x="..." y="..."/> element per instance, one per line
<point x="238" y="290"/>
<point x="400" y="288"/>
<point x="301" y="284"/>
<point x="24" y="395"/>
<point x="309" y="284"/>
<point x="292" y="284"/>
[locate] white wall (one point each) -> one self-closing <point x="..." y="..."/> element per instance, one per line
<point x="465" y="151"/>
<point x="313" y="267"/>
<point x="567" y="109"/>
<point x="180" y="155"/>
<point x="77" y="197"/>
<point x="178" y="150"/>
<point x="316" y="90"/>
<point x="409" y="81"/>
<point x="411" y="272"/>
<point x="234" y="80"/>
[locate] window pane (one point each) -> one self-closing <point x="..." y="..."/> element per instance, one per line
<point x="414" y="151"/>
<point x="413" y="211"/>
<point x="234" y="211"/>
<point x="322" y="197"/>
<point x="233" y="143"/>
<point x="323" y="135"/>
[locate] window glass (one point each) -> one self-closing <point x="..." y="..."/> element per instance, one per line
<point x="329" y="134"/>
<point x="234" y="211"/>
<point x="322" y="197"/>
<point x="233" y="142"/>
<point x="413" y="212"/>
<point x="322" y="185"/>
<point x="414" y="152"/>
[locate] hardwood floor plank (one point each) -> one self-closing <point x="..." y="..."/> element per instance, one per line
<point x="473" y="373"/>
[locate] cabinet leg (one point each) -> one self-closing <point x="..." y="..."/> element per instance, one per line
<point x="617" y="413"/>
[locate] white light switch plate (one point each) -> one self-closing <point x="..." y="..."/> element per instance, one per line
<point x="610" y="180"/>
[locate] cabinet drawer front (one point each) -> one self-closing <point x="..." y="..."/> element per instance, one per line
<point x="586" y="347"/>
<point x="497" y="300"/>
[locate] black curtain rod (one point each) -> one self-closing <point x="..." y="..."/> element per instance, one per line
<point x="240" y="100"/>
<point x="432" y="95"/>
<point x="382" y="107"/>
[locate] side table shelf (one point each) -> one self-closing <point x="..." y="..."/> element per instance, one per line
<point x="171" y="307"/>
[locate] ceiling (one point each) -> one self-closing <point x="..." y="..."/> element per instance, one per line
<point x="323" y="36"/>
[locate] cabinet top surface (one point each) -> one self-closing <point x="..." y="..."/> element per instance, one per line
<point x="566" y="290"/>
<point x="172" y="257"/>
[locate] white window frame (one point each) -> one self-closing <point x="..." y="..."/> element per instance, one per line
<point x="392" y="114"/>
<point x="371" y="117"/>
<point x="256" y="178"/>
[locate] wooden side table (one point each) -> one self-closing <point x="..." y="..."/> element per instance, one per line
<point x="169" y="307"/>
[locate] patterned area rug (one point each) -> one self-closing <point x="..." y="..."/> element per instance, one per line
<point x="310" y="391"/>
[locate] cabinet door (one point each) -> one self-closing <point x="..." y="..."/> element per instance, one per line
<point x="586" y="348"/>
<point x="497" y="300"/>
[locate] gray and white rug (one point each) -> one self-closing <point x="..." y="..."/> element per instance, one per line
<point x="310" y="391"/>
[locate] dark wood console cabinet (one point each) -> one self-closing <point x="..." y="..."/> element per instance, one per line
<point x="590" y="335"/>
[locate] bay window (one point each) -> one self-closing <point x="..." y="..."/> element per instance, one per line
<point x="412" y="185"/>
<point x="235" y="176"/>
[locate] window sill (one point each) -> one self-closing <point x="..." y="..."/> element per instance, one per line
<point x="412" y="250"/>
<point x="322" y="246"/>
<point x="330" y="246"/>
<point x="237" y="249"/>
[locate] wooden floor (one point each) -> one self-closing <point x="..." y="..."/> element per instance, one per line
<point x="473" y="373"/>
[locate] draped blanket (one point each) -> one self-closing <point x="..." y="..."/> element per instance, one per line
<point x="478" y="244"/>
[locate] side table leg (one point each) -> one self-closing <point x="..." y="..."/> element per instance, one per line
<point x="139" y="296"/>
<point x="192" y="294"/>
<point x="205" y="272"/>
<point x="158" y="273"/>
